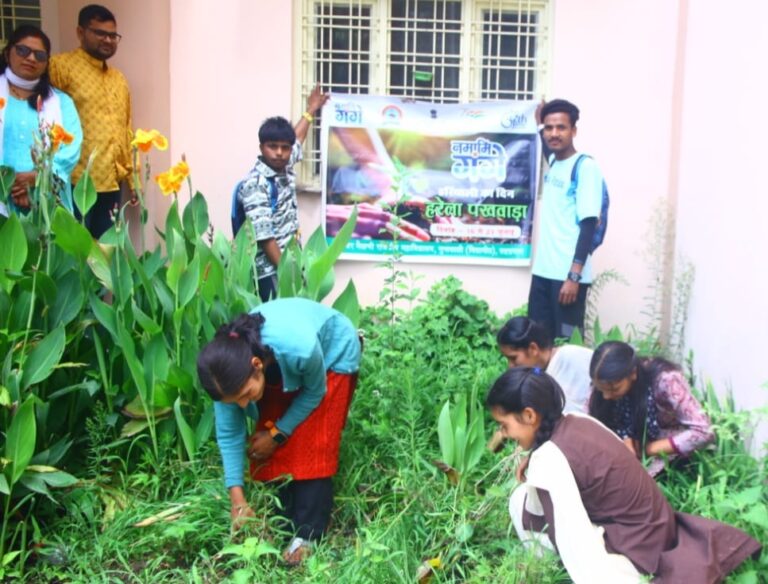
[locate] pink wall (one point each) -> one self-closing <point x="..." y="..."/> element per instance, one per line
<point x="723" y="203"/>
<point x="231" y="63"/>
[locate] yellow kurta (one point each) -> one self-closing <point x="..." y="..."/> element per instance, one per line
<point x="103" y="101"/>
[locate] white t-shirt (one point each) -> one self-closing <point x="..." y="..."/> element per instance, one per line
<point x="561" y="214"/>
<point x="570" y="368"/>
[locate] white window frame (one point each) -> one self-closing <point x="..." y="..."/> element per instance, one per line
<point x="17" y="20"/>
<point x="470" y="55"/>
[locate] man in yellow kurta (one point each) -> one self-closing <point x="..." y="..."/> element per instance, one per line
<point x="103" y="101"/>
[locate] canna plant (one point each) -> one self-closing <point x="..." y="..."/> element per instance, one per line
<point x="461" y="433"/>
<point x="85" y="321"/>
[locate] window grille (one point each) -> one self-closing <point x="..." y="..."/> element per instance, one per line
<point x="446" y="51"/>
<point x="14" y="13"/>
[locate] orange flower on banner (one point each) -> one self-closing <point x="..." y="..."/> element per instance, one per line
<point x="2" y="102"/>
<point x="170" y="180"/>
<point x="145" y="139"/>
<point x="59" y="135"/>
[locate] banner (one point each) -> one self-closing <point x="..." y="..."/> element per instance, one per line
<point x="446" y="183"/>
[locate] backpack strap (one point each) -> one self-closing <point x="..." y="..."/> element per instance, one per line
<point x="237" y="214"/>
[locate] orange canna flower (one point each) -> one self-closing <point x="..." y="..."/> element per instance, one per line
<point x="59" y="135"/>
<point x="145" y="139"/>
<point x="2" y="102"/>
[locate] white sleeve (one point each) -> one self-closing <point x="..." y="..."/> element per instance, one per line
<point x="580" y="543"/>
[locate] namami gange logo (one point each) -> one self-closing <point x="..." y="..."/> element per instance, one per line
<point x="478" y="159"/>
<point x="391" y="114"/>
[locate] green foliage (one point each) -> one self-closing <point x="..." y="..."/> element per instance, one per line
<point x="308" y="272"/>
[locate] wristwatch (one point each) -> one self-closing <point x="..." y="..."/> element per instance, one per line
<point x="277" y="436"/>
<point x="574" y="277"/>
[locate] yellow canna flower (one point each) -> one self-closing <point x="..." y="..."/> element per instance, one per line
<point x="171" y="180"/>
<point x="181" y="169"/>
<point x="59" y="135"/>
<point x="145" y="139"/>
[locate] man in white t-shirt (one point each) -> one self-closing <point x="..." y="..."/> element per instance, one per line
<point x="562" y="270"/>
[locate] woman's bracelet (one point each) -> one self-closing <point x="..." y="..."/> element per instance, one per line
<point x="308" y="116"/>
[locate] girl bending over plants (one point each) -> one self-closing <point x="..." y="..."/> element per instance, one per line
<point x="291" y="365"/>
<point x="648" y="403"/>
<point x="586" y="494"/>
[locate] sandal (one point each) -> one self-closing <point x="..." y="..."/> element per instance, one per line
<point x="297" y="552"/>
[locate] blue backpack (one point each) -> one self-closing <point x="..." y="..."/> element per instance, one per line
<point x="602" y="220"/>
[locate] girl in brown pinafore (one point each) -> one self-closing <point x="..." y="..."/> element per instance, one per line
<point x="599" y="508"/>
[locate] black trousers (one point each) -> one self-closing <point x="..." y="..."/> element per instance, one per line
<point x="99" y="218"/>
<point x="544" y="307"/>
<point x="268" y="288"/>
<point x="307" y="506"/>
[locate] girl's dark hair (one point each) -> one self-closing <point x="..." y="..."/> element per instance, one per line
<point x="529" y="387"/>
<point x="520" y="331"/>
<point x="613" y="361"/>
<point x="224" y="364"/>
<point x="43" y="87"/>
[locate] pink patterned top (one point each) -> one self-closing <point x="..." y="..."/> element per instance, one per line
<point x="680" y="416"/>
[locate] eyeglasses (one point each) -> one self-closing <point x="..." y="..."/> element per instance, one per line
<point x="24" y="51"/>
<point x="105" y="34"/>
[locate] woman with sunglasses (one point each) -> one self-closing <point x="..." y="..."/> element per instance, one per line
<point x="647" y="402"/>
<point x="23" y="81"/>
<point x="588" y="498"/>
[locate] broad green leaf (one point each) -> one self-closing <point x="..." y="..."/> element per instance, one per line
<point x="52" y="476"/>
<point x="213" y="279"/>
<point x="20" y="440"/>
<point x="757" y="514"/>
<point x="104" y="313"/>
<point x="85" y="191"/>
<point x="445" y="434"/>
<point x="14" y="248"/>
<point x="195" y="217"/>
<point x="4" y="488"/>
<point x="99" y="262"/>
<point x="69" y="299"/>
<point x="135" y="410"/>
<point x="70" y="235"/>
<point x="316" y="276"/>
<point x="150" y="326"/>
<point x="189" y="282"/>
<point x="289" y="271"/>
<point x="460" y="445"/>
<point x="7" y="177"/>
<point x="134" y="427"/>
<point x="122" y="278"/>
<point x="348" y="304"/>
<point x="44" y="357"/>
<point x="172" y="227"/>
<point x="126" y="343"/>
<point x="576" y="338"/>
<point x="204" y="426"/>
<point x="178" y="262"/>
<point x="187" y="435"/>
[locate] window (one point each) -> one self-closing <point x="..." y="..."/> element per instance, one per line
<point x="445" y="51"/>
<point x="17" y="12"/>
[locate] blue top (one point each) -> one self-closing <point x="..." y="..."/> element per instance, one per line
<point x="19" y="127"/>
<point x="308" y="339"/>
<point x="560" y="214"/>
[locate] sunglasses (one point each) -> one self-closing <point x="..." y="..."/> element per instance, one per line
<point x="24" y="51"/>
<point x="105" y="34"/>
